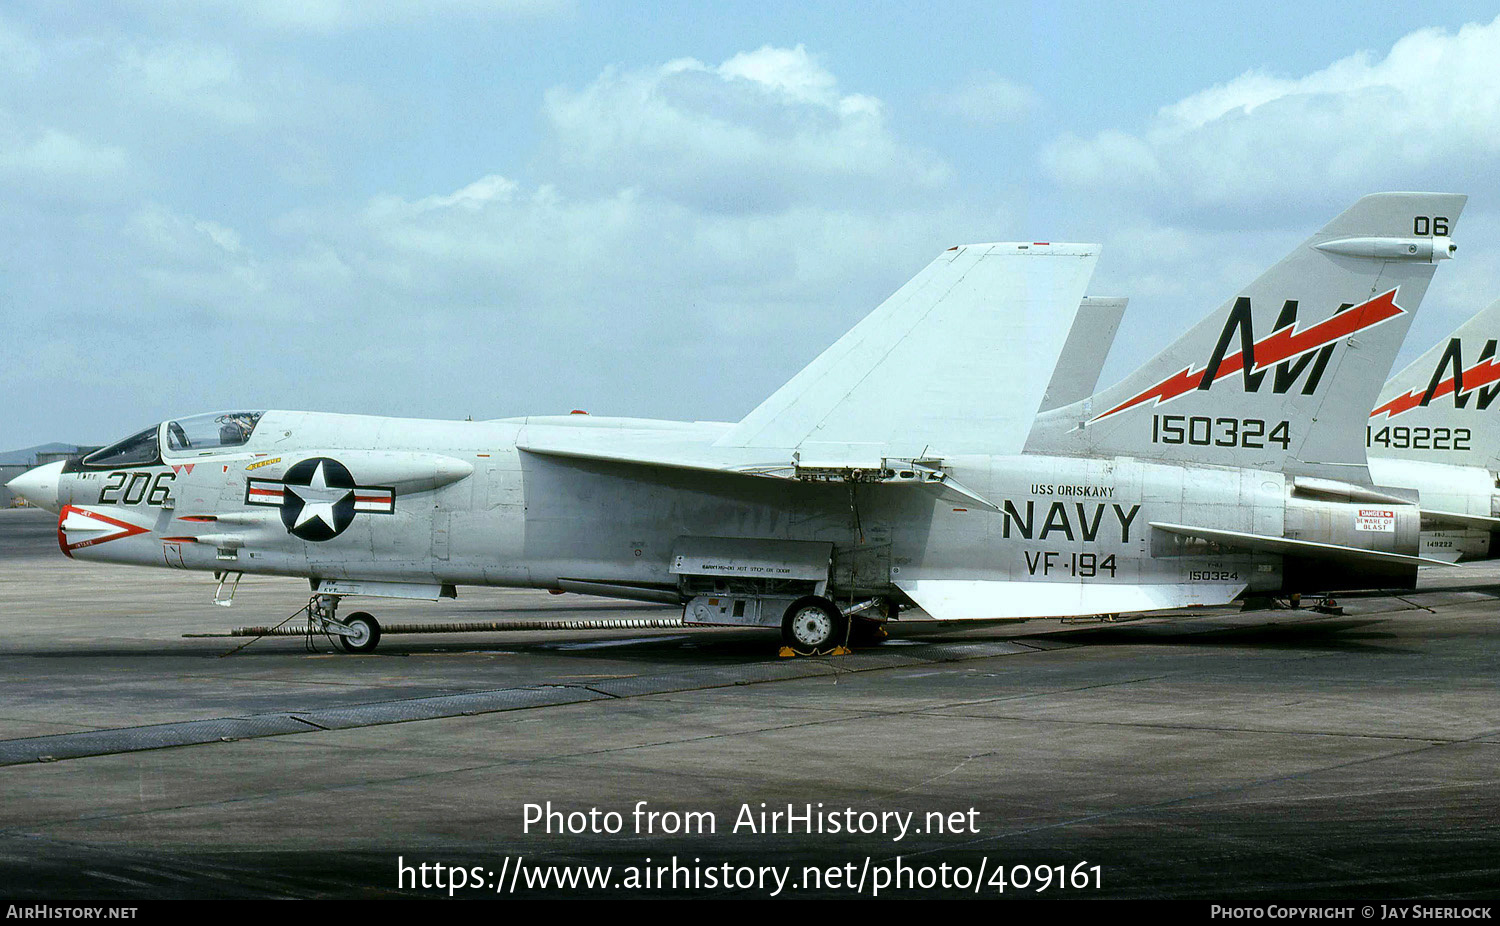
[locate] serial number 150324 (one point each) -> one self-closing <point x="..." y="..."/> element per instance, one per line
<point x="1212" y="575"/>
<point x="1202" y="431"/>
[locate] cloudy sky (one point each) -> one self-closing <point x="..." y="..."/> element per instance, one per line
<point x="499" y="207"/>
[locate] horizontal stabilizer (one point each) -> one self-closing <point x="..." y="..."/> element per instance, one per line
<point x="1285" y="546"/>
<point x="978" y="599"/>
<point x="1454" y="519"/>
<point x="1336" y="491"/>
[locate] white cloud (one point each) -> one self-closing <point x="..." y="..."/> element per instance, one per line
<point x="191" y="263"/>
<point x="989" y="99"/>
<point x="482" y="192"/>
<point x="1427" y="115"/>
<point x="198" y="80"/>
<point x="790" y="70"/>
<point x="532" y="237"/>
<point x="46" y="163"/>
<point x="760" y="131"/>
<point x="153" y="94"/>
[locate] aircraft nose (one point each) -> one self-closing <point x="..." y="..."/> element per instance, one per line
<point x="39" y="485"/>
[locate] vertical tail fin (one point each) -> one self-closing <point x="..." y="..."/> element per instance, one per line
<point x="1438" y="408"/>
<point x="1082" y="357"/>
<point x="1278" y="376"/>
<point x="955" y="361"/>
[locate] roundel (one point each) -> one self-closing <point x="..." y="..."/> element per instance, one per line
<point x="319" y="499"/>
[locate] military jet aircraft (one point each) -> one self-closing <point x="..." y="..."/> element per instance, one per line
<point x="1428" y="432"/>
<point x="905" y="467"/>
<point x="1425" y="434"/>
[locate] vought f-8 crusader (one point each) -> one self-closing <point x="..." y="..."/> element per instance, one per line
<point x="908" y="466"/>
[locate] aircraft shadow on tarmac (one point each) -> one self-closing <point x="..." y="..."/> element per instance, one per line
<point x="696" y="647"/>
<point x="1350" y="636"/>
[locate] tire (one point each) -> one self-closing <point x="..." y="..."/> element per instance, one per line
<point x="366" y="636"/>
<point x="813" y="625"/>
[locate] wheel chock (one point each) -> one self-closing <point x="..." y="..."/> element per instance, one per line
<point x="786" y="652"/>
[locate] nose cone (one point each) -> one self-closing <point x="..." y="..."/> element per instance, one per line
<point x="39" y="486"/>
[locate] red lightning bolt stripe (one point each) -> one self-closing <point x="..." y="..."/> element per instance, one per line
<point x="1480" y="374"/>
<point x="1277" y="347"/>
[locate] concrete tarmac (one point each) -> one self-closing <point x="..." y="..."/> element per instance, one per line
<point x="1260" y="757"/>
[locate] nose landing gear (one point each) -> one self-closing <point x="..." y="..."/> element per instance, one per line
<point x="359" y="633"/>
<point x="363" y="635"/>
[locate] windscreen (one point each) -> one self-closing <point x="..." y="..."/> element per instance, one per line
<point x="135" y="450"/>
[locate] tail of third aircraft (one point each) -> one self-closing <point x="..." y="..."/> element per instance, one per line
<point x="1280" y="375"/>
<point x="1437" y="408"/>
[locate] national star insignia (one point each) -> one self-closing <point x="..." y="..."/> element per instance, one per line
<point x="318" y="499"/>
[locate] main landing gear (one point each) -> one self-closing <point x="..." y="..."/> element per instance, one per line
<point x="357" y="633"/>
<point x="814" y="626"/>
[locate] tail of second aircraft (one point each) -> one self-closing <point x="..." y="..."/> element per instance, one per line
<point x="1083" y="353"/>
<point x="1278" y="377"/>
<point x="1438" y="408"/>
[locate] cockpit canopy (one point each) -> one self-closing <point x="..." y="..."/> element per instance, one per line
<point x="213" y="431"/>
<point x="193" y="435"/>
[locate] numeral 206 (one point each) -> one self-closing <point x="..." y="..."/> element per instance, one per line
<point x="1202" y="431"/>
<point x="133" y="488"/>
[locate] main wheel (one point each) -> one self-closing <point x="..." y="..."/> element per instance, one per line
<point x="812" y="625"/>
<point x="364" y="633"/>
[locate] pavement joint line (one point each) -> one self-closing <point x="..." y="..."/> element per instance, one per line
<point x="33" y="830"/>
<point x="637" y="746"/>
<point x="851" y="716"/>
<point x="597" y="691"/>
<point x="26" y="750"/>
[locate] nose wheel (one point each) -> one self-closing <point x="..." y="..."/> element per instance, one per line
<point x="362" y="635"/>
<point x="358" y="633"/>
